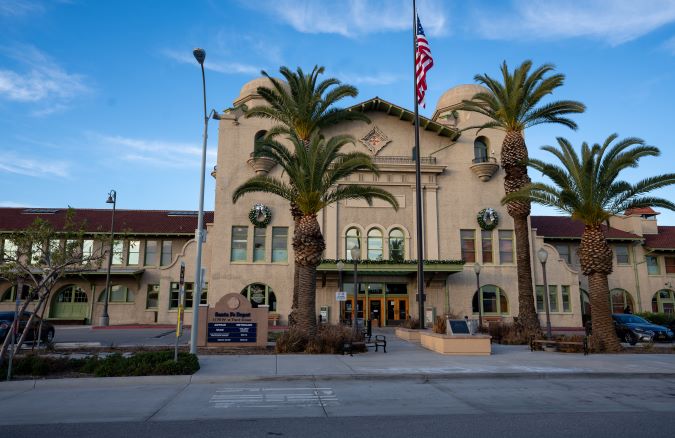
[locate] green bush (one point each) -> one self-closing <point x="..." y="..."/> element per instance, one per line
<point x="657" y="318"/>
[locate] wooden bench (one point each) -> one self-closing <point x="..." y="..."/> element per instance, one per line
<point x="543" y="342"/>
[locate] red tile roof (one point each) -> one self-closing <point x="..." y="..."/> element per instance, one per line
<point x="644" y="211"/>
<point x="129" y="221"/>
<point x="565" y="228"/>
<point x="665" y="239"/>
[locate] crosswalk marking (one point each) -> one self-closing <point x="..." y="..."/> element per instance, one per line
<point x="273" y="397"/>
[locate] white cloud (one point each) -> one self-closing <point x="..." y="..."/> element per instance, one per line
<point x="613" y="21"/>
<point x="352" y="18"/>
<point x="213" y="65"/>
<point x="12" y="204"/>
<point x="42" y="81"/>
<point x="38" y="167"/>
<point x="156" y="153"/>
<point x="366" y="79"/>
<point x="17" y="8"/>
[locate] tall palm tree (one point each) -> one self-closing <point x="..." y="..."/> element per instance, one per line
<point x="586" y="187"/>
<point x="513" y="106"/>
<point x="301" y="105"/>
<point x="313" y="170"/>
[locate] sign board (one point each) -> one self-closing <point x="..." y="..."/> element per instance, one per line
<point x="459" y="327"/>
<point x="341" y="296"/>
<point x="232" y="321"/>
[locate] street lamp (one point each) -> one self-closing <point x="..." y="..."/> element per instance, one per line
<point x="356" y="254"/>
<point x="200" y="56"/>
<point x="340" y="267"/>
<point x="476" y="269"/>
<point x="542" y="255"/>
<point x="104" y="319"/>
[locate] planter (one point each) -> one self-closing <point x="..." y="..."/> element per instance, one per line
<point x="261" y="165"/>
<point x="408" y="334"/>
<point x="466" y="345"/>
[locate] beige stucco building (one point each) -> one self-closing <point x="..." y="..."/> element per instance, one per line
<point x="461" y="180"/>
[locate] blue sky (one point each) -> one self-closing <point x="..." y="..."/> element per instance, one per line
<point x="98" y="95"/>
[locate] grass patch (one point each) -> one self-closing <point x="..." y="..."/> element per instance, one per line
<point x="148" y="363"/>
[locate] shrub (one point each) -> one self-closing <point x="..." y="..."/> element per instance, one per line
<point x="657" y="318"/>
<point x="329" y="339"/>
<point x="411" y="323"/>
<point x="507" y="333"/>
<point x="440" y="325"/>
<point x="292" y="341"/>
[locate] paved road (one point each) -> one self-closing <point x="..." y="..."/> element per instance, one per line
<point x="118" y="400"/>
<point x="553" y="425"/>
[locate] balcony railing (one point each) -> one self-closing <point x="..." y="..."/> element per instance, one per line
<point x="393" y="159"/>
<point x="484" y="160"/>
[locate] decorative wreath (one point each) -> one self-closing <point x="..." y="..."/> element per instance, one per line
<point x="260" y="215"/>
<point x="487" y="219"/>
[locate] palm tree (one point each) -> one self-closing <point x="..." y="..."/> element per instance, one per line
<point x="302" y="106"/>
<point x="587" y="188"/>
<point x="513" y="106"/>
<point x="313" y="170"/>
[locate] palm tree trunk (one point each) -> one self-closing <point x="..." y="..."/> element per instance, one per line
<point x="596" y="262"/>
<point x="296" y="214"/>
<point x="514" y="157"/>
<point x="309" y="245"/>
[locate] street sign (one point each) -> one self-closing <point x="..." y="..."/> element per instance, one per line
<point x="341" y="296"/>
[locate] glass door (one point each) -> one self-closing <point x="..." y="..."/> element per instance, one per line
<point x="376" y="313"/>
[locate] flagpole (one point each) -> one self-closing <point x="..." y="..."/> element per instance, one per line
<point x="418" y="182"/>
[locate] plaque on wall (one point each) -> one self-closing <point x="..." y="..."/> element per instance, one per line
<point x="459" y="327"/>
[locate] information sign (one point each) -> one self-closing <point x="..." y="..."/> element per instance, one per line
<point x="341" y="296"/>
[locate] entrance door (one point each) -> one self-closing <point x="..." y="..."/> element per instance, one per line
<point x="397" y="310"/>
<point x="376" y="312"/>
<point x="70" y="303"/>
<point x="349" y="308"/>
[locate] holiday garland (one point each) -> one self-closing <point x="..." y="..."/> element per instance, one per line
<point x="256" y="212"/>
<point x="490" y="214"/>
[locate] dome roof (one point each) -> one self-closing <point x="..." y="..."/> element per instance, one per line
<point x="455" y="95"/>
<point x="251" y="87"/>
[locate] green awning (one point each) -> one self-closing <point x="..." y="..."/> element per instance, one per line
<point x="369" y="267"/>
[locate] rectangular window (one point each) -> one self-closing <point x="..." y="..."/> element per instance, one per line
<point x="565" y="294"/>
<point x="87" y="248"/>
<point x="54" y="246"/>
<point x="167" y="256"/>
<point x="621" y="252"/>
<point x="153" y="296"/>
<point x="9" y="250"/>
<point x="670" y="265"/>
<point x="134" y="252"/>
<point x="239" y="244"/>
<point x="174" y="295"/>
<point x="151" y="253"/>
<point x="540" y="298"/>
<point x="468" y="245"/>
<point x="72" y="248"/>
<point x="117" y="250"/>
<point x="36" y="253"/>
<point x="259" y="236"/>
<point x="564" y="251"/>
<point x="280" y="244"/>
<point x="505" y="246"/>
<point x="553" y="298"/>
<point x="653" y="265"/>
<point x="486" y="239"/>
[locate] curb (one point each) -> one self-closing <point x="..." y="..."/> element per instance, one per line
<point x="102" y="382"/>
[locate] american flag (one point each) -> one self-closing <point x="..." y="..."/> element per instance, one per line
<point x="423" y="62"/>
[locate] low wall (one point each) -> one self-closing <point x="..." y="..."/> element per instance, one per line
<point x="408" y="334"/>
<point x="468" y="345"/>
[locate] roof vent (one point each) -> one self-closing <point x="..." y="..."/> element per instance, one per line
<point x="40" y="211"/>
<point x="182" y="213"/>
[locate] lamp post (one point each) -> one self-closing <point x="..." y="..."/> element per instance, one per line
<point x="356" y="254"/>
<point x="104" y="319"/>
<point x="340" y="267"/>
<point x="476" y="269"/>
<point x="200" y="56"/>
<point x="542" y="255"/>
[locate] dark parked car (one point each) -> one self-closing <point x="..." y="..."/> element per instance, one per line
<point x="634" y="329"/>
<point x="6" y="319"/>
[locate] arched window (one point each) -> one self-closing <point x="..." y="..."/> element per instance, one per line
<point x="260" y="294"/>
<point x="352" y="239"/>
<point x="664" y="302"/>
<point x="621" y="300"/>
<point x="493" y="300"/>
<point x="396" y="245"/>
<point x="480" y="150"/>
<point x="118" y="294"/>
<point x="258" y="137"/>
<point x="10" y="293"/>
<point x="375" y="244"/>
